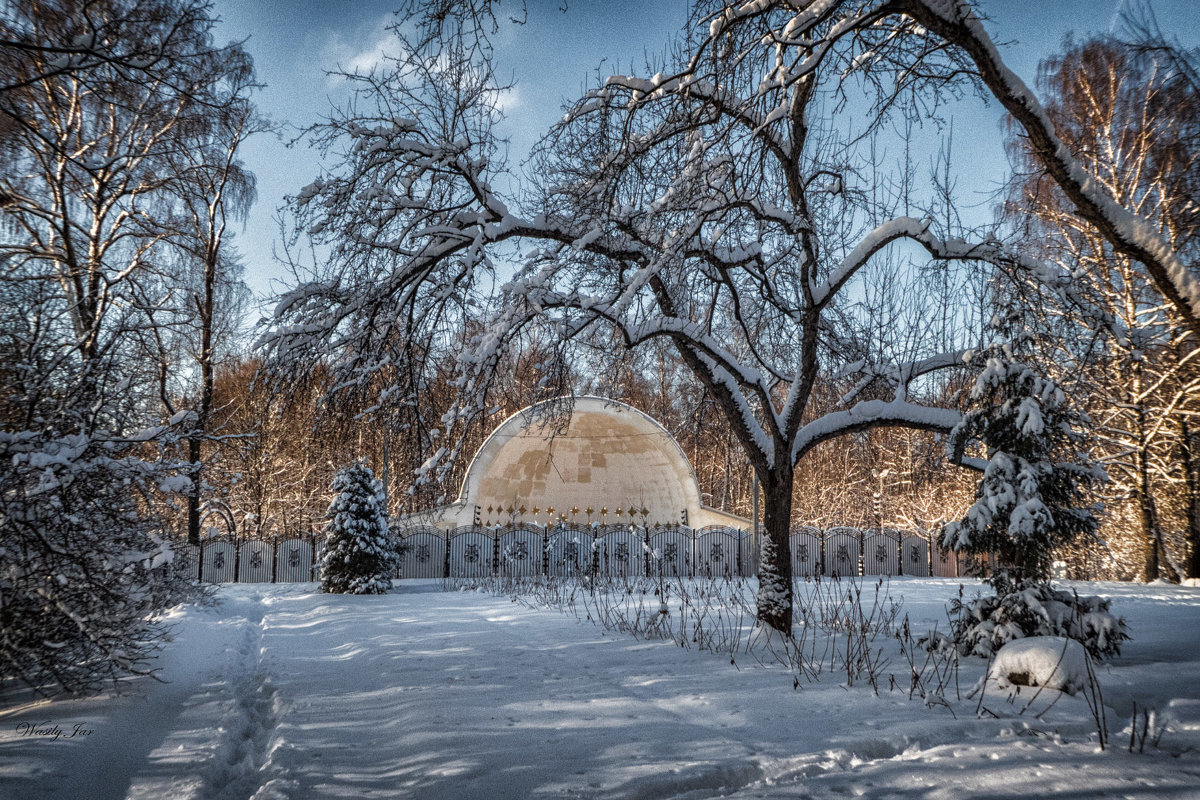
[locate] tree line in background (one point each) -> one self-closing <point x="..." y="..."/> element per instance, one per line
<point x="722" y="245"/>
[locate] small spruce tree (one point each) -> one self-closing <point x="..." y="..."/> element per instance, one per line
<point x="359" y="557"/>
<point x="1031" y="499"/>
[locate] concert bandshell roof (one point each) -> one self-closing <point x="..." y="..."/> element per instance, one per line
<point x="609" y="456"/>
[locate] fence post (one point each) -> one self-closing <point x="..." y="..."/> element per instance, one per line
<point x="496" y="550"/>
<point x="645" y="551"/>
<point x="696" y="554"/>
<point x="738" y="563"/>
<point x="821" y="551"/>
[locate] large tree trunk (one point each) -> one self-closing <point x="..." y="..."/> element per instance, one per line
<point x="1189" y="445"/>
<point x="1148" y="516"/>
<point x="205" y="307"/>
<point x="775" y="567"/>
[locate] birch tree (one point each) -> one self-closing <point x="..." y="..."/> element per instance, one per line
<point x="1133" y="122"/>
<point x="86" y="188"/>
<point x="87" y="283"/>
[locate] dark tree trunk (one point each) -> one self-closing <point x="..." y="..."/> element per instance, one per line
<point x="205" y="308"/>
<point x="775" y="567"/>
<point x="1148" y="516"/>
<point x="1189" y="444"/>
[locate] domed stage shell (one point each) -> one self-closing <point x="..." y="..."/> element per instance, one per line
<point x="610" y="456"/>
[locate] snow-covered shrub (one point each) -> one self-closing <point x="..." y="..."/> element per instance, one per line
<point x="359" y="557"/>
<point x="1049" y="662"/>
<point x="1030" y="500"/>
<point x="85" y="566"/>
<point x="985" y="624"/>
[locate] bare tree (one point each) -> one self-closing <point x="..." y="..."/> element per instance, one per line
<point x="85" y="40"/>
<point x="715" y="208"/>
<point x="212" y="188"/>
<point x="1123" y="228"/>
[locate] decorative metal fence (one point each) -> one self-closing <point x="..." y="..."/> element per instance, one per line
<point x="608" y="550"/>
<point x="226" y="560"/>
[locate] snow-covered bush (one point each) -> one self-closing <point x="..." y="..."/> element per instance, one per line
<point x="985" y="624"/>
<point x="359" y="556"/>
<point x="85" y="566"/>
<point x="1049" y="662"/>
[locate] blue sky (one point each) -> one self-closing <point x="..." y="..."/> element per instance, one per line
<point x="552" y="58"/>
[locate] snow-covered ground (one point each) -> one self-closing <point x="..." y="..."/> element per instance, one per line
<point x="282" y="692"/>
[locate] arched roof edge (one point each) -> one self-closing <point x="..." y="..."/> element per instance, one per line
<point x="693" y="488"/>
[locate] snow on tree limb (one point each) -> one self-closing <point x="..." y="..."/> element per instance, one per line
<point x="873" y="413"/>
<point x="1126" y="231"/>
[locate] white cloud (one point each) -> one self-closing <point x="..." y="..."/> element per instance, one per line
<point x="509" y="100"/>
<point x="362" y="50"/>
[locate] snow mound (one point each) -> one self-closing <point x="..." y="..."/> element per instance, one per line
<point x="1183" y="714"/>
<point x="1050" y="662"/>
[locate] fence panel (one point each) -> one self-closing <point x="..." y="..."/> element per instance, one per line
<point x="422" y="555"/>
<point x="914" y="555"/>
<point x="945" y="563"/>
<point x="471" y="554"/>
<point x="671" y="553"/>
<point x="881" y="553"/>
<point x="717" y="552"/>
<point x="568" y="552"/>
<point x="187" y="559"/>
<point x="293" y="561"/>
<point x="806" y="552"/>
<point x="217" y="561"/>
<point x="620" y="553"/>
<point x="841" y="552"/>
<point x="255" y="560"/>
<point x="521" y="553"/>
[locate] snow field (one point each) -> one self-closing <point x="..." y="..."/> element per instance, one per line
<point x="283" y="692"/>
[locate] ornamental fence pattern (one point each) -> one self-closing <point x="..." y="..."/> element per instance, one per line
<point x="607" y="550"/>
<point x="227" y="560"/>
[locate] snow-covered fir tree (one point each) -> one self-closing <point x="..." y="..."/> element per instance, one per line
<point x="1030" y="500"/>
<point x="359" y="556"/>
<point x="1031" y="497"/>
